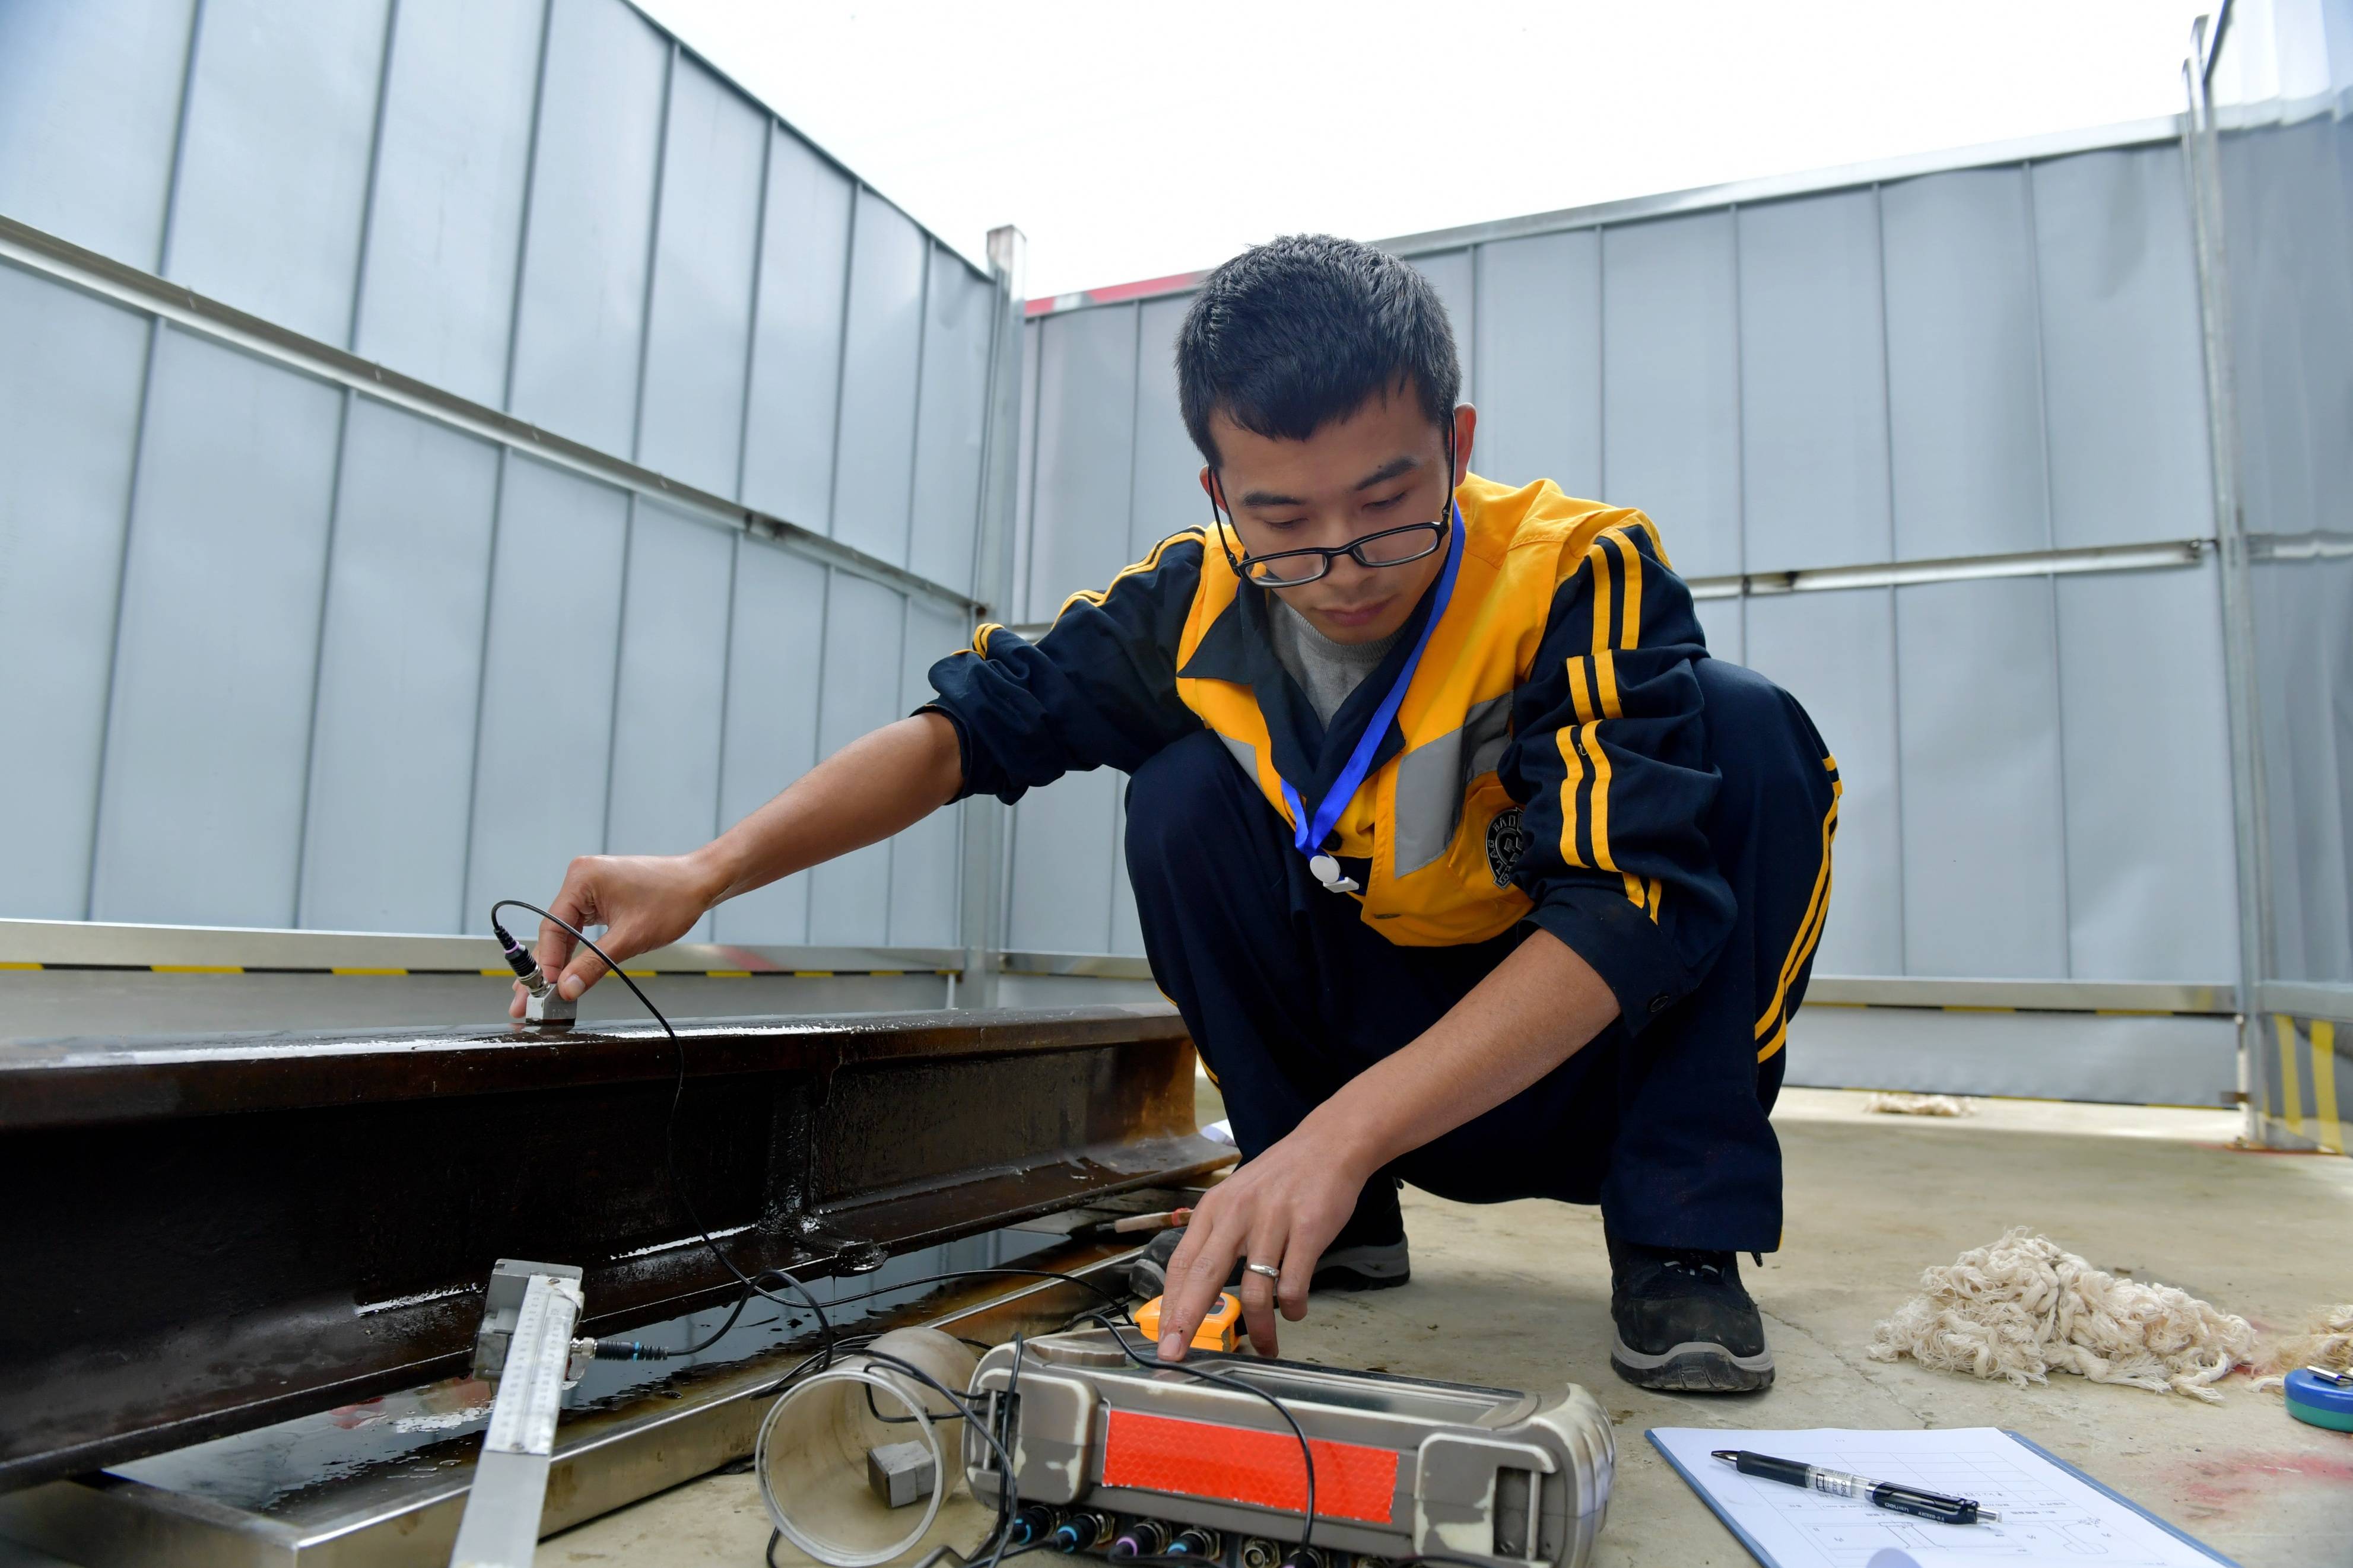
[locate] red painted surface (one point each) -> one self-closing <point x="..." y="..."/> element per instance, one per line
<point x="1236" y="1464"/>
<point x="2230" y="1483"/>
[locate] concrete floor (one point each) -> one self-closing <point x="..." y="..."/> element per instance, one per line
<point x="1518" y="1295"/>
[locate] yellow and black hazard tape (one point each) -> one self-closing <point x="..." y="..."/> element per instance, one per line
<point x="1983" y="1007"/>
<point x="498" y="973"/>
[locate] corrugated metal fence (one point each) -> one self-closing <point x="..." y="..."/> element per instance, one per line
<point x="2274" y="184"/>
<point x="292" y="645"/>
<point x="1932" y="402"/>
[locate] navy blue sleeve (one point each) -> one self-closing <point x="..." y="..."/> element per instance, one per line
<point x="1609" y="757"/>
<point x="1097" y="689"/>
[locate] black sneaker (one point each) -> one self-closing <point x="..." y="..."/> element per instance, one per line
<point x="1684" y="1324"/>
<point x="1369" y="1253"/>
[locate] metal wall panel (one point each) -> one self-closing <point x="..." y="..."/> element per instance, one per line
<point x="1723" y="622"/>
<point x="797" y="335"/>
<point x="2151" y="881"/>
<point x="2290" y="239"/>
<point x="2037" y="1056"/>
<point x="1671" y="440"/>
<point x="669" y="705"/>
<point x="1963" y="374"/>
<point x="1836" y="654"/>
<point x="850" y="898"/>
<point x="581" y="308"/>
<point x="2123" y="362"/>
<point x="90" y="110"/>
<point x="2287" y="201"/>
<point x="882" y="356"/>
<point x="776" y="644"/>
<point x="1539" y="343"/>
<point x="1813" y="383"/>
<point x="274" y="160"/>
<point x="2304" y="619"/>
<point x="1059" y="892"/>
<point x="1165" y="488"/>
<point x="200" y="813"/>
<point x="959" y="308"/>
<point x="69" y="390"/>
<point x="1984" y="852"/>
<point x="699" y="312"/>
<point x="1450" y="273"/>
<point x="1086" y="449"/>
<point x="546" y="723"/>
<point x="436" y="297"/>
<point x="924" y="862"/>
<point x="400" y="665"/>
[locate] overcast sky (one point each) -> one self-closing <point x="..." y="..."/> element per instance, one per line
<point x="1132" y="141"/>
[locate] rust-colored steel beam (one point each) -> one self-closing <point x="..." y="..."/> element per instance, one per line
<point x="210" y="1235"/>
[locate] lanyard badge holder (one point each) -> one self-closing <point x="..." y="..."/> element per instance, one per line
<point x="1310" y="830"/>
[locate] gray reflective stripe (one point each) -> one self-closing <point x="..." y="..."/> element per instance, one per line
<point x="1245" y="755"/>
<point x="1433" y="778"/>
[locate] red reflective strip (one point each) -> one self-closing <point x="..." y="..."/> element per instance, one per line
<point x="1237" y="1464"/>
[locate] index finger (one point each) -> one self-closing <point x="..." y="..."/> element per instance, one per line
<point x="575" y="902"/>
<point x="1195" y="1282"/>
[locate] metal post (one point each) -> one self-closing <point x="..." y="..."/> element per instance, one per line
<point x="981" y="914"/>
<point x="2201" y="161"/>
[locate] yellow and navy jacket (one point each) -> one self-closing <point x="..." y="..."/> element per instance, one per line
<point x="1547" y="763"/>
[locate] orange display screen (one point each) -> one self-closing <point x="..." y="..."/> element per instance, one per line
<point x="1240" y="1464"/>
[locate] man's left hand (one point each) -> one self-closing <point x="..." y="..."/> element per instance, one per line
<point x="1282" y="1208"/>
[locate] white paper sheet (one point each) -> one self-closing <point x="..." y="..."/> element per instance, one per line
<point x="2048" y="1513"/>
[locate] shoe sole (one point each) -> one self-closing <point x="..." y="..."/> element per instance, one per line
<point x="1695" y="1366"/>
<point x="1349" y="1279"/>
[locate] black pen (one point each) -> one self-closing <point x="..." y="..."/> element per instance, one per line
<point x="1891" y="1495"/>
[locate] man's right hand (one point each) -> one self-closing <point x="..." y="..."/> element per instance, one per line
<point x="643" y="901"/>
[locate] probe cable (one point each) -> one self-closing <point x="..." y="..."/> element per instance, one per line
<point x="827" y="1344"/>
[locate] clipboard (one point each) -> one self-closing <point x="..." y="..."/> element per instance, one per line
<point x="2050" y="1510"/>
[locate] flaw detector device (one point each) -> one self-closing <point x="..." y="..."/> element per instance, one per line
<point x="1119" y="1460"/>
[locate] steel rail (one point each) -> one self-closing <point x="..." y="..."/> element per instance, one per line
<point x="215" y="1235"/>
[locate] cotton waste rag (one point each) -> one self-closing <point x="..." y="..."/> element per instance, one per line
<point x="1901" y="1102"/>
<point x="2025" y="1307"/>
<point x="2326" y="1341"/>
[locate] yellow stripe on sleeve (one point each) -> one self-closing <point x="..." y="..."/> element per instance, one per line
<point x="1579" y="693"/>
<point x="1630" y="621"/>
<point x="980" y="637"/>
<point x="1598" y="556"/>
<point x="1572" y="762"/>
<point x="1097" y="596"/>
<point x="1592" y="734"/>
<point x="1658" y="891"/>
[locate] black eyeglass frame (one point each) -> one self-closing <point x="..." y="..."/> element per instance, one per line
<point x="1354" y="549"/>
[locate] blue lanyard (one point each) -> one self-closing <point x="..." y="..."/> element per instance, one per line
<point x="1310" y="831"/>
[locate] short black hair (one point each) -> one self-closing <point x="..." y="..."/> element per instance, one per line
<point x="1302" y="331"/>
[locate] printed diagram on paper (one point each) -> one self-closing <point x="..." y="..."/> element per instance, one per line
<point x="2049" y="1514"/>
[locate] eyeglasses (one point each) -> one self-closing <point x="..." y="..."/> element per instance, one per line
<point x="1389" y="547"/>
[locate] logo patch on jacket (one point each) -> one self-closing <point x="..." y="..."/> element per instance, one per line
<point x="1506" y="842"/>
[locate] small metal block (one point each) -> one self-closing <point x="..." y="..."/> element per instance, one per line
<point x="901" y="1473"/>
<point x="547" y="1007"/>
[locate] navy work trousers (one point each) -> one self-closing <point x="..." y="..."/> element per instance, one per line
<point x="1289" y="992"/>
